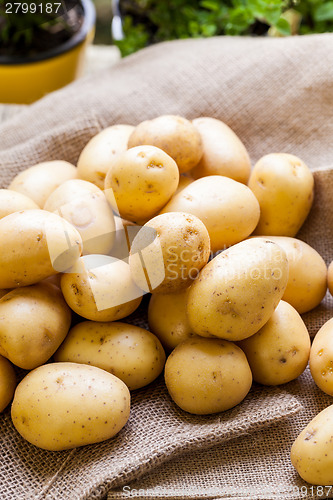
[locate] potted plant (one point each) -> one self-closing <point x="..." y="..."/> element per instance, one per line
<point x="144" y="22"/>
<point x="42" y="46"/>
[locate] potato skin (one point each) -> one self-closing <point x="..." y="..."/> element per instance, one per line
<point x="170" y="262"/>
<point x="38" y="182"/>
<point x="229" y="209"/>
<point x="35" y="320"/>
<point x="307" y="282"/>
<point x="223" y="151"/>
<point x="84" y="206"/>
<point x="12" y="201"/>
<point x="205" y="376"/>
<point x="167" y="318"/>
<point x="321" y="358"/>
<point x="312" y="451"/>
<point x="175" y="135"/>
<point x="34" y="244"/>
<point x="284" y="186"/>
<point x="279" y="351"/>
<point x="132" y="354"/>
<point x="60" y="406"/>
<point x="7" y="382"/>
<point x="100" y="292"/>
<point x="97" y="155"/>
<point x="237" y="291"/>
<point x="140" y="182"/>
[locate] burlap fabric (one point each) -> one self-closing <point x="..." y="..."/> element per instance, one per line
<point x="276" y="94"/>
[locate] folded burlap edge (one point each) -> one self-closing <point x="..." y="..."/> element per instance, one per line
<point x="288" y="406"/>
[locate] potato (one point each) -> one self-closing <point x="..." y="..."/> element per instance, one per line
<point x="97" y="156"/>
<point x="167" y="318"/>
<point x="59" y="406"/>
<point x="84" y="205"/>
<point x="206" y="376"/>
<point x="237" y="291"/>
<point x="321" y="358"/>
<point x="12" y="201"/>
<point x="140" y="182"/>
<point x="279" y="351"/>
<point x="34" y="321"/>
<point x="124" y="234"/>
<point x="35" y="244"/>
<point x="223" y="151"/>
<point x="7" y="382"/>
<point x="307" y="285"/>
<point x="312" y="452"/>
<point x="168" y="252"/>
<point x="229" y="210"/>
<point x="330" y="278"/>
<point x="38" y="181"/>
<point x="184" y="181"/>
<point x="100" y="288"/>
<point x="283" y="185"/>
<point x="130" y="353"/>
<point x="173" y="134"/>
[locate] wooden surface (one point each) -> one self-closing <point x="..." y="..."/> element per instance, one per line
<point x="98" y="57"/>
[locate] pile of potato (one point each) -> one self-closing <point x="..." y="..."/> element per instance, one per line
<point x="172" y="208"/>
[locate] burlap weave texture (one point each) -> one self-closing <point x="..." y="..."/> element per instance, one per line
<point x="276" y="95"/>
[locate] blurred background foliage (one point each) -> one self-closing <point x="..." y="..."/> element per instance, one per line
<point x="151" y="21"/>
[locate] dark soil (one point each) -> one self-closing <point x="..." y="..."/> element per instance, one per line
<point x="30" y="34"/>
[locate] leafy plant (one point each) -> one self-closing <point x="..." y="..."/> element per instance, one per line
<point x="22" y="24"/>
<point x="151" y="21"/>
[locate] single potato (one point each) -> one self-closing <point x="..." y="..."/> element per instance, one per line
<point x="173" y="134"/>
<point x="321" y="358"/>
<point x="132" y="354"/>
<point x="97" y="156"/>
<point x="35" y="244"/>
<point x="38" y="181"/>
<point x="167" y="318"/>
<point x="229" y="209"/>
<point x="140" y="182"/>
<point x="330" y="278"/>
<point x="84" y="205"/>
<point x="279" y="351"/>
<point x="7" y="383"/>
<point x="237" y="291"/>
<point x="59" y="406"/>
<point x="12" y="201"/>
<point x="34" y="321"/>
<point x="307" y="284"/>
<point x="312" y="452"/>
<point x="284" y="187"/>
<point x="206" y="376"/>
<point x="223" y="151"/>
<point x="168" y="252"/>
<point x="100" y="288"/>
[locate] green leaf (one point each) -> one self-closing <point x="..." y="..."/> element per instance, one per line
<point x="210" y="5"/>
<point x="324" y="12"/>
<point x="283" y="27"/>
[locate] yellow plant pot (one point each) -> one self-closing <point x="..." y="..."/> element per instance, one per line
<point x="25" y="81"/>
